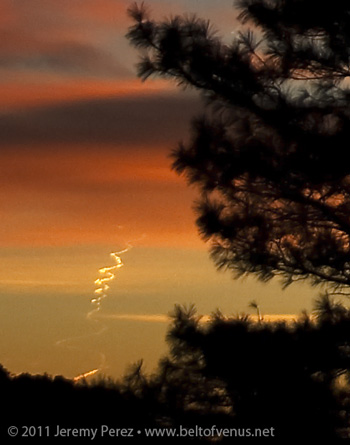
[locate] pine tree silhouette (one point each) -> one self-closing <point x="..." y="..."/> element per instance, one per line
<point x="270" y="155"/>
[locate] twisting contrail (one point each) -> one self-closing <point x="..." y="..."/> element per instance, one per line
<point x="106" y="275"/>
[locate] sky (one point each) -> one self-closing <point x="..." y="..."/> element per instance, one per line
<point x="85" y="171"/>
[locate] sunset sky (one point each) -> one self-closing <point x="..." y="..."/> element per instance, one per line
<point x="85" y="171"/>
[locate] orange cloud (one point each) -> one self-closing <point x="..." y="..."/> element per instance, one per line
<point x="50" y="13"/>
<point x="35" y="91"/>
<point x="68" y="169"/>
<point x="82" y="198"/>
<point x="110" y="12"/>
<point x="75" y="37"/>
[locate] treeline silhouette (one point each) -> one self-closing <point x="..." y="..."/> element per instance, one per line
<point x="231" y="372"/>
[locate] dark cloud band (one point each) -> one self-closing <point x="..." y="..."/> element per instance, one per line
<point x="120" y="121"/>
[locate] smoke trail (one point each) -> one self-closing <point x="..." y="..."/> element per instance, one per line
<point x="106" y="275"/>
<point x="92" y="372"/>
<point x="85" y="375"/>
